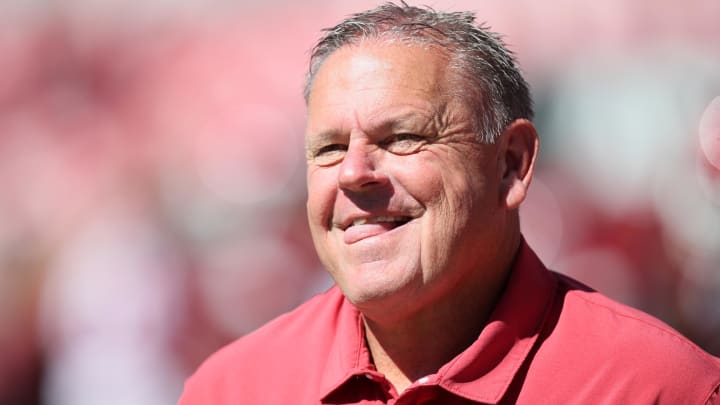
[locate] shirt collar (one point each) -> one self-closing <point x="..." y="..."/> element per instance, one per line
<point x="485" y="370"/>
<point x="348" y="356"/>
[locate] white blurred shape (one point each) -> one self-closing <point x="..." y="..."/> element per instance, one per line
<point x="107" y="315"/>
<point x="710" y="133"/>
<point x="621" y="120"/>
<point x="94" y="371"/>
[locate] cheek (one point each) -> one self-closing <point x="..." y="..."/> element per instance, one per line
<point x="321" y="197"/>
<point x="440" y="188"/>
<point x="459" y="203"/>
<point x="421" y="176"/>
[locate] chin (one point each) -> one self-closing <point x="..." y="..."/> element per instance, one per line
<point x="383" y="299"/>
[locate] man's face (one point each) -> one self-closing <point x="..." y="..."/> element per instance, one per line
<point x="404" y="203"/>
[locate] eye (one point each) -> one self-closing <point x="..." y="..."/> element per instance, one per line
<point x="404" y="144"/>
<point x="328" y="154"/>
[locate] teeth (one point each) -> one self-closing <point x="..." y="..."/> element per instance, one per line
<point x="362" y="221"/>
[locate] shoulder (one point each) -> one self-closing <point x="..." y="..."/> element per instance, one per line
<point x="621" y="326"/>
<point x="291" y="347"/>
<point x="602" y="337"/>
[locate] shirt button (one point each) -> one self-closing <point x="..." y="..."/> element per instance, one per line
<point x="423" y="380"/>
<point x="370" y="376"/>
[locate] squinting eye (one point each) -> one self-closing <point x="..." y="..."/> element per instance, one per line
<point x="404" y="144"/>
<point x="329" y="154"/>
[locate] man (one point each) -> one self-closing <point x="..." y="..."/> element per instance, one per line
<point x="420" y="150"/>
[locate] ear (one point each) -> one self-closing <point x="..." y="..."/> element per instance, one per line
<point x="520" y="145"/>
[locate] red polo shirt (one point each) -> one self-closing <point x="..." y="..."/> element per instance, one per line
<point x="550" y="340"/>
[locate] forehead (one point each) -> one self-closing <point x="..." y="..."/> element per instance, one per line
<point x="373" y="55"/>
<point x="367" y="78"/>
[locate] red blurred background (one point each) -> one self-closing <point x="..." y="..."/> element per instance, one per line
<point x="152" y="175"/>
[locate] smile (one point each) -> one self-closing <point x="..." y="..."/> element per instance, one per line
<point x="364" y="228"/>
<point x="399" y="220"/>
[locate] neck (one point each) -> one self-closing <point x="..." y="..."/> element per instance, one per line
<point x="420" y="345"/>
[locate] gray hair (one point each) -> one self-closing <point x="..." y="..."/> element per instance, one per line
<point x="496" y="86"/>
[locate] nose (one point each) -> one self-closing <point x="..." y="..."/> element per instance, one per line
<point x="358" y="171"/>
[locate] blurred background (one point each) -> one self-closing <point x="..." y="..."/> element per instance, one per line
<point x="152" y="175"/>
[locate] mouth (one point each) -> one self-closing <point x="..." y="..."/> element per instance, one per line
<point x="358" y="229"/>
<point x="390" y="221"/>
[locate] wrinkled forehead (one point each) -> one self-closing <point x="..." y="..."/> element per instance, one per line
<point x="386" y="74"/>
<point x="375" y="87"/>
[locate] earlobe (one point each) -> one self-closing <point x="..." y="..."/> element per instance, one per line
<point x="516" y="194"/>
<point x="521" y="145"/>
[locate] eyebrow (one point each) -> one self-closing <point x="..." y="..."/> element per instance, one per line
<point x="414" y="120"/>
<point x="403" y="121"/>
<point x="322" y="137"/>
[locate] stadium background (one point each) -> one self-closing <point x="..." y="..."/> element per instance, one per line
<point x="152" y="175"/>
